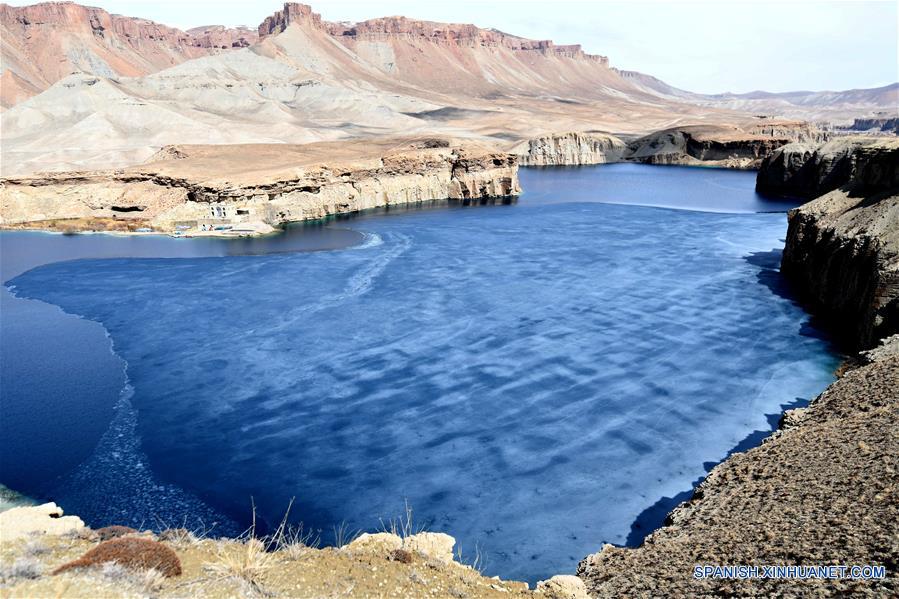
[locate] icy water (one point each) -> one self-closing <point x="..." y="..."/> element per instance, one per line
<point x="535" y="379"/>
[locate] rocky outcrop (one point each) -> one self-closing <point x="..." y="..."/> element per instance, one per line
<point x="292" y="12"/>
<point x="809" y="170"/>
<point x="820" y="491"/>
<point x="723" y="146"/>
<point x="219" y="36"/>
<point x="741" y="147"/>
<point x="570" y="149"/>
<point x="452" y="34"/>
<point x="266" y="184"/>
<point x="887" y="125"/>
<point x="46" y="519"/>
<point x="842" y="249"/>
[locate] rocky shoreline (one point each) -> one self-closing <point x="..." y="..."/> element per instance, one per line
<point x="178" y="190"/>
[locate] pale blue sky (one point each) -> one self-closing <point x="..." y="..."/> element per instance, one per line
<point x="704" y="46"/>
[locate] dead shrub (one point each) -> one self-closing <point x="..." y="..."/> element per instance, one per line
<point x="132" y="552"/>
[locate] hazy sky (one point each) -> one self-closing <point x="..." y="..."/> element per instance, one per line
<point x="704" y="46"/>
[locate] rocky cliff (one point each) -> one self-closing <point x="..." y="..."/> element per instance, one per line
<point x="884" y="124"/>
<point x="728" y="146"/>
<point x="719" y="145"/>
<point x="570" y="149"/>
<point x="265" y="185"/>
<point x="842" y="249"/>
<point x="808" y="169"/>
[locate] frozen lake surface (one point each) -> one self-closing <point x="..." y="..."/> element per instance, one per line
<point x="532" y="378"/>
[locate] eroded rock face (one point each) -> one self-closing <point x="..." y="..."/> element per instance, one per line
<point x="809" y="170"/>
<point x="451" y="34"/>
<point x="293" y="12"/>
<point x="842" y="249"/>
<point x="570" y="149"/>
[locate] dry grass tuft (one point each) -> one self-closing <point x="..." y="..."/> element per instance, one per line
<point x="292" y="540"/>
<point x="403" y="526"/>
<point x="247" y="563"/>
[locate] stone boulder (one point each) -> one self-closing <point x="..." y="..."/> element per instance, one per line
<point x="563" y="586"/>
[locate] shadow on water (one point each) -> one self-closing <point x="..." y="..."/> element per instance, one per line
<point x="769" y="275"/>
<point x="656" y="516"/>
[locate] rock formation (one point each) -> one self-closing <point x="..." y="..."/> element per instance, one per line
<point x="885" y="124"/>
<point x="46" y="519"/>
<point x="265" y="185"/>
<point x="809" y="170"/>
<point x="570" y="149"/>
<point x="717" y="145"/>
<point x="842" y="249"/>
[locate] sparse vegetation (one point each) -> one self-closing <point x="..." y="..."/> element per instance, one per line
<point x="246" y="563"/>
<point x="22" y="568"/>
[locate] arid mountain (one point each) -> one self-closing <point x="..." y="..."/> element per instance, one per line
<point x="829" y="107"/>
<point x="307" y="80"/>
<point x="42" y="43"/>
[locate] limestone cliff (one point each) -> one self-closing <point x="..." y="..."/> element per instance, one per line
<point x="732" y="146"/>
<point x="570" y="149"/>
<point x="264" y="185"/>
<point x="718" y="145"/>
<point x="842" y="249"/>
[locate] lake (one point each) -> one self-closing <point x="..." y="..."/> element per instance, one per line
<point x="534" y="378"/>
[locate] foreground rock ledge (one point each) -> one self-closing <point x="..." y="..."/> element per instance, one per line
<point x="75" y="561"/>
<point x="247" y="189"/>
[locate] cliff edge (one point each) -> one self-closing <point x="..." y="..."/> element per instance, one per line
<point x="842" y="249"/>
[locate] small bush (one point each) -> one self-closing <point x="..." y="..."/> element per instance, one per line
<point x="131" y="552"/>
